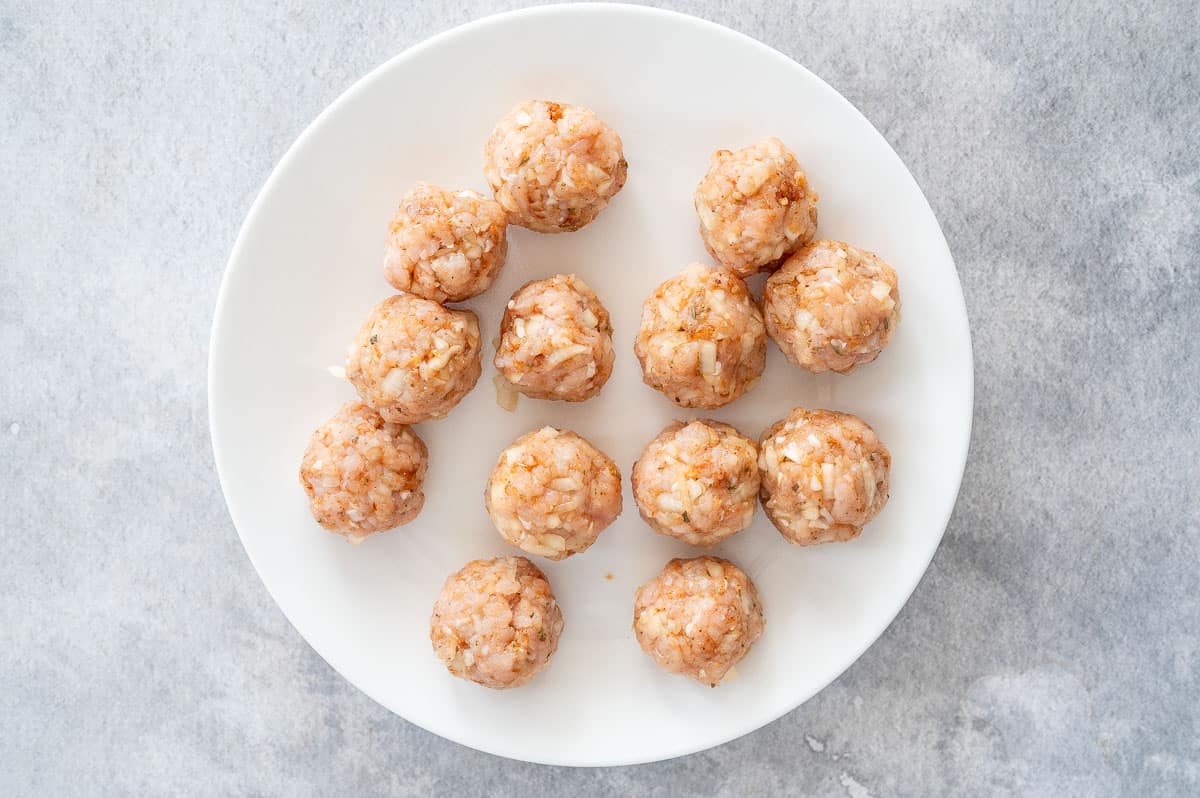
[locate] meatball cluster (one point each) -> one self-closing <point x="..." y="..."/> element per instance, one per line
<point x="832" y="307"/>
<point x="553" y="166"/>
<point x="552" y="493"/>
<point x="363" y="474"/>
<point x="701" y="341"/>
<point x="445" y="245"/>
<point x="414" y="360"/>
<point x="820" y="475"/>
<point x="698" y="617"/>
<point x="755" y="207"/>
<point x="556" y="340"/>
<point x="496" y="622"/>
<point x="697" y="482"/>
<point x="824" y="475"/>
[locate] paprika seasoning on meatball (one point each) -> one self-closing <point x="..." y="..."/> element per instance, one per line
<point x="445" y="245"/>
<point x="555" y="340"/>
<point x="414" y="360"/>
<point x="824" y="475"/>
<point x="496" y="622"/>
<point x="552" y="493"/>
<point x="698" y="617"/>
<point x="363" y="474"/>
<point x="701" y="341"/>
<point x="832" y="307"/>
<point x="553" y="166"/>
<point x="697" y="482"/>
<point x="755" y="207"/>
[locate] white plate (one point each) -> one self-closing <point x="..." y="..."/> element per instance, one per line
<point x="307" y="268"/>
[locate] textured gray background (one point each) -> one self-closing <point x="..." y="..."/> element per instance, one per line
<point x="1052" y="648"/>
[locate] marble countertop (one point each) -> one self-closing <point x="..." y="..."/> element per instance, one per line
<point x="1053" y="647"/>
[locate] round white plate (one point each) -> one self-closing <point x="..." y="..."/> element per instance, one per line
<point x="307" y="267"/>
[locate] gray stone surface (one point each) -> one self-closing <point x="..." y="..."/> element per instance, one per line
<point x="1053" y="647"/>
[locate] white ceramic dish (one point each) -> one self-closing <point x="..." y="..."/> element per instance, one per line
<point x="306" y="269"/>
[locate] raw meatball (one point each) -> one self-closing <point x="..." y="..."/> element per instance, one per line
<point x="552" y="493"/>
<point x="832" y="306"/>
<point x="702" y="340"/>
<point x="445" y="245"/>
<point x="363" y="474"/>
<point x="755" y="207"/>
<point x="697" y="482"/>
<point x="824" y="475"/>
<point x="496" y="622"/>
<point x="553" y="166"/>
<point x="413" y="359"/>
<point x="556" y="340"/>
<point x="698" y="617"/>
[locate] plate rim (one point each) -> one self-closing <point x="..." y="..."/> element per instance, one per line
<point x="958" y="309"/>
